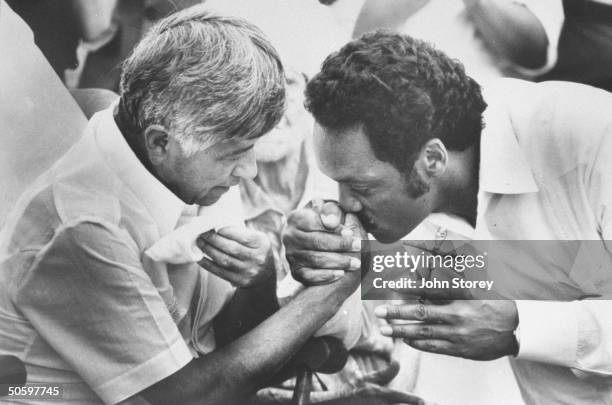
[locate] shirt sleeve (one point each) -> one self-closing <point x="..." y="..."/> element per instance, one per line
<point x="578" y="334"/>
<point x="551" y="16"/>
<point x="88" y="296"/>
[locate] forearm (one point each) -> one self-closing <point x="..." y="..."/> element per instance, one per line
<point x="247" y="309"/>
<point x="232" y="373"/>
<point x="510" y="29"/>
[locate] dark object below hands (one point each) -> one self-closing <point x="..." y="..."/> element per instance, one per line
<point x="12" y="373"/>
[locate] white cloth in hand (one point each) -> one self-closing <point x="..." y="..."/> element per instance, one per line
<point x="179" y="246"/>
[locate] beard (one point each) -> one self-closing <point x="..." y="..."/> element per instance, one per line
<point x="415" y="185"/>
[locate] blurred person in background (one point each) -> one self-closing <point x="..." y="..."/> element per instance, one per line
<point x="455" y="28"/>
<point x="132" y="19"/>
<point x="60" y="25"/>
<point x="529" y="39"/>
<point x="550" y="39"/>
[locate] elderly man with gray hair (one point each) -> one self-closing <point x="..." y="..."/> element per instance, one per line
<point x="81" y="304"/>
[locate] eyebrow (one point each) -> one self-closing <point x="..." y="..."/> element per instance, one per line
<point x="237" y="152"/>
<point x="360" y="182"/>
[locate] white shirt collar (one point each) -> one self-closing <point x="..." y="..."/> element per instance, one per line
<point x="163" y="205"/>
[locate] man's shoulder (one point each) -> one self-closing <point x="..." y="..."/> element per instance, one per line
<point x="520" y="96"/>
<point x="564" y="111"/>
<point x="76" y="186"/>
<point x="560" y="126"/>
<point x="84" y="186"/>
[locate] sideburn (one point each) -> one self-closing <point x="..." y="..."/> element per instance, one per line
<point x="415" y="185"/>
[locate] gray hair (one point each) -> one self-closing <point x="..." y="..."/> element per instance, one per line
<point x="204" y="77"/>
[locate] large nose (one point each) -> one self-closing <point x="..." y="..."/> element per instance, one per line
<point x="247" y="166"/>
<point x="348" y="201"/>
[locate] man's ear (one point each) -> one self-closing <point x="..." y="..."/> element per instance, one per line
<point x="433" y="158"/>
<point x="157" y="141"/>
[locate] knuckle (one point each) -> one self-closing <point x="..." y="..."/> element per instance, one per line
<point x="318" y="244"/>
<point x="315" y="260"/>
<point x="454" y="317"/>
<point x="394" y="311"/>
<point x="292" y="217"/>
<point x="346" y="243"/>
<point x="429" y="346"/>
<point x="425" y="332"/>
<point x="399" y="330"/>
<point x="421" y="312"/>
<point x="259" y="259"/>
<point x="224" y="261"/>
<point x="461" y="332"/>
<point x="463" y="312"/>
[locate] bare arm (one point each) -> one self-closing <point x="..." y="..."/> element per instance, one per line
<point x="232" y="373"/>
<point x="235" y="371"/>
<point x="511" y="30"/>
<point x="388" y="14"/>
<point x="247" y="309"/>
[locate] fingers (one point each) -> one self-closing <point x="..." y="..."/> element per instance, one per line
<point x="238" y="243"/>
<point x="435" y="294"/>
<point x="352" y="222"/>
<point x="213" y="243"/>
<point x="331" y="215"/>
<point x="309" y="276"/>
<point x="275" y="395"/>
<point x="313" y="251"/>
<point x="318" y="216"/>
<point x="221" y="272"/>
<point x="432" y="346"/>
<point x="316" y="204"/>
<point x="388" y="395"/>
<point x="419" y="331"/>
<point x="413" y="312"/>
<point x="306" y="220"/>
<point x="369" y="392"/>
<point x="384" y="376"/>
<point x="322" y="241"/>
<point x="324" y="260"/>
<point x="220" y="257"/>
<point x="240" y="234"/>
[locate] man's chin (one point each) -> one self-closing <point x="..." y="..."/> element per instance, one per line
<point x="383" y="236"/>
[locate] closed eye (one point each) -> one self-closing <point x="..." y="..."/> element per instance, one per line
<point x="361" y="189"/>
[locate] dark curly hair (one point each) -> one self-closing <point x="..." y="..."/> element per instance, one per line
<point x="404" y="93"/>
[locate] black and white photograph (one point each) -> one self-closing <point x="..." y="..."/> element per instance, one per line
<point x="292" y="202"/>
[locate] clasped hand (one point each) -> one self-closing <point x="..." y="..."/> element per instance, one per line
<point x="322" y="243"/>
<point x="239" y="255"/>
